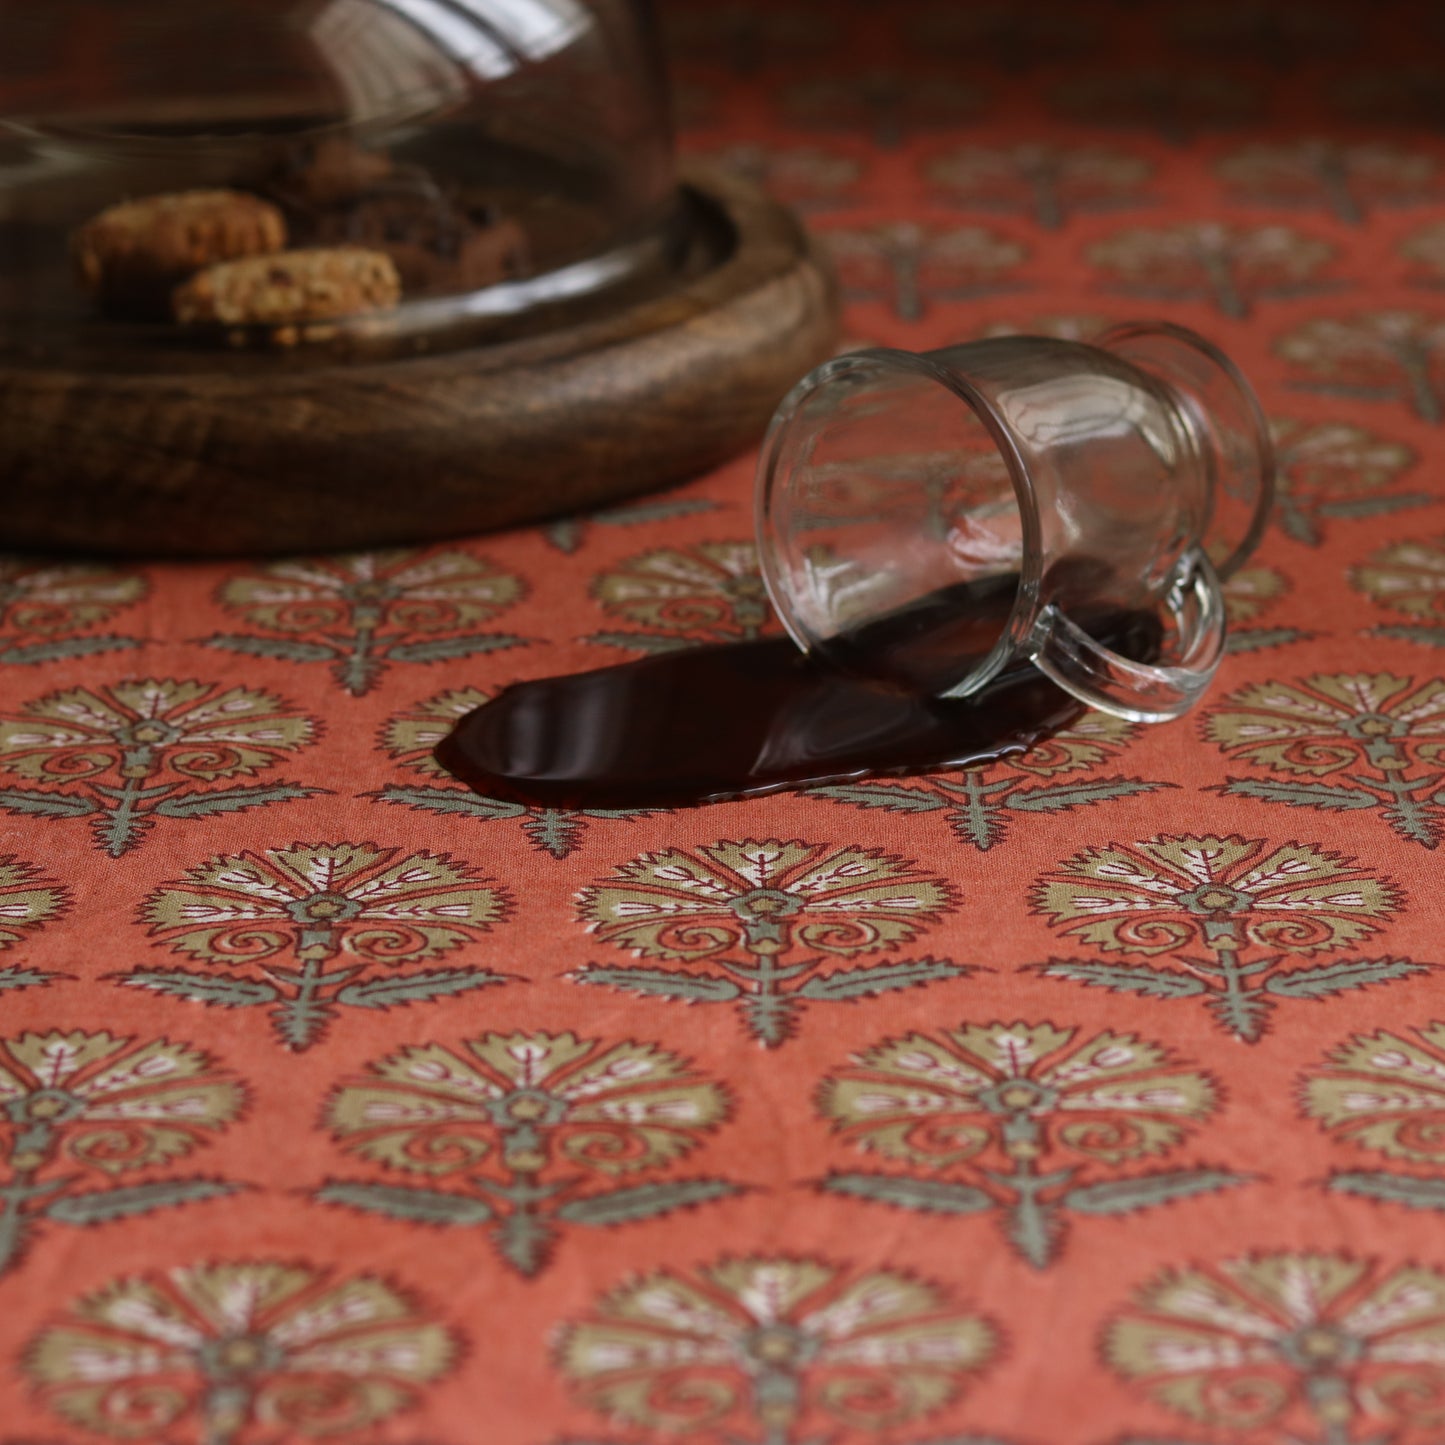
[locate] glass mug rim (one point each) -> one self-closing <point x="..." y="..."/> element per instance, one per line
<point x="1193" y="596"/>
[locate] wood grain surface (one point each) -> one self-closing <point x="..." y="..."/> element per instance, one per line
<point x="216" y="460"/>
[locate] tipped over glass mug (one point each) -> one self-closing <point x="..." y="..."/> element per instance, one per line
<point x="1025" y="486"/>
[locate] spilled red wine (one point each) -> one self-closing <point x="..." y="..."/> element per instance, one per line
<point x="708" y="723"/>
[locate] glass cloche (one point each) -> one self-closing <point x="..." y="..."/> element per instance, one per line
<point x="278" y="172"/>
<point x="292" y="274"/>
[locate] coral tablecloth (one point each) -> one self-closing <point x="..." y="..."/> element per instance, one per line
<point x="1091" y="1097"/>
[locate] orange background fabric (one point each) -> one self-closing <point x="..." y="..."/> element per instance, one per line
<point x="1092" y="1097"/>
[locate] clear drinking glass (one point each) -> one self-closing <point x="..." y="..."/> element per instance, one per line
<point x="1024" y="487"/>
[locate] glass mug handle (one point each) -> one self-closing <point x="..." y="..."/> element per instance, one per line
<point x="1141" y="691"/>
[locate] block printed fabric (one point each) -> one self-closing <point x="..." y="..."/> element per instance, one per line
<point x="1093" y="1097"/>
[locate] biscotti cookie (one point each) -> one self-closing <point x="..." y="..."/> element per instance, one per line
<point x="132" y="256"/>
<point x="290" y="289"/>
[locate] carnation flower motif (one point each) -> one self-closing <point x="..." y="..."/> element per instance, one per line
<point x="911" y="265"/>
<point x="48" y="600"/>
<point x="1228" y="896"/>
<point x="784" y="1349"/>
<point x="1021" y="1120"/>
<point x="750" y="908"/>
<point x="511" y="1119"/>
<point x="317" y="903"/>
<point x="1298" y="1346"/>
<point x="1386" y="1092"/>
<point x="709" y="592"/>
<point x="983" y="804"/>
<point x="28" y="901"/>
<point x="1230" y="265"/>
<point x="411" y="737"/>
<point x="360" y="611"/>
<point x="1373" y="354"/>
<point x="105" y="1104"/>
<point x="1380" y="727"/>
<point x="222" y="1353"/>
<point x="1328" y="470"/>
<point x="1407" y="577"/>
<point x="140" y="748"/>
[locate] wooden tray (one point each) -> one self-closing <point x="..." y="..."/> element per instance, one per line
<point x="187" y="461"/>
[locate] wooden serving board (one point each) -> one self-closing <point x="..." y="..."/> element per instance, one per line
<point x="204" y="461"/>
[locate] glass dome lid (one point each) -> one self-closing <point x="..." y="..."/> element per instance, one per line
<point x="264" y="175"/>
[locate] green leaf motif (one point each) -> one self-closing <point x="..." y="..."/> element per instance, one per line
<point x="1256" y="639"/>
<point x="440" y="649"/>
<point x="1144" y="1191"/>
<point x="691" y="987"/>
<point x="643" y="1201"/>
<point x="1299" y="795"/>
<point x="232" y="800"/>
<point x="1060" y="797"/>
<point x="1424" y="636"/>
<point x="931" y="1196"/>
<point x="200" y="987"/>
<point x="1355" y="507"/>
<point x="17" y="977"/>
<point x="414" y="1206"/>
<point x="415" y="987"/>
<point x="641" y="641"/>
<point x="880" y="795"/>
<point x="104" y="1205"/>
<point x="51" y="805"/>
<point x="66" y="647"/>
<point x="1331" y="978"/>
<point x="555" y="831"/>
<point x="1125" y="978"/>
<point x="880" y="978"/>
<point x="452" y="801"/>
<point x="1412" y="1190"/>
<point x="288" y="649"/>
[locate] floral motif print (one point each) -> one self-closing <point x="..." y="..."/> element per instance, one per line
<point x="1362" y="741"/>
<point x="982" y="804"/>
<point x="1428" y="248"/>
<point x="1229" y="896"/>
<point x="1250" y="594"/>
<point x="102" y="1103"/>
<point x="1048" y="182"/>
<point x="1329" y="470"/>
<point x="766" y="913"/>
<point x="1298" y="1346"/>
<point x="1347" y="180"/>
<point x="1408" y="577"/>
<point x="711" y="592"/>
<point x="410" y="738"/>
<point x="1230" y="265"/>
<point x="141" y="748"/>
<point x="910" y="266"/>
<point x="1007" y="1117"/>
<point x="1173" y="101"/>
<point x="1375" y="354"/>
<point x="512" y="1119"/>
<point x="770" y="1351"/>
<point x="360" y="611"/>
<point x="40" y="603"/>
<point x="1386" y="1092"/>
<point x="222" y="1353"/>
<point x="806" y="177"/>
<point x="28" y="901"/>
<point x="319" y="903"/>
<point x="884" y="103"/>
